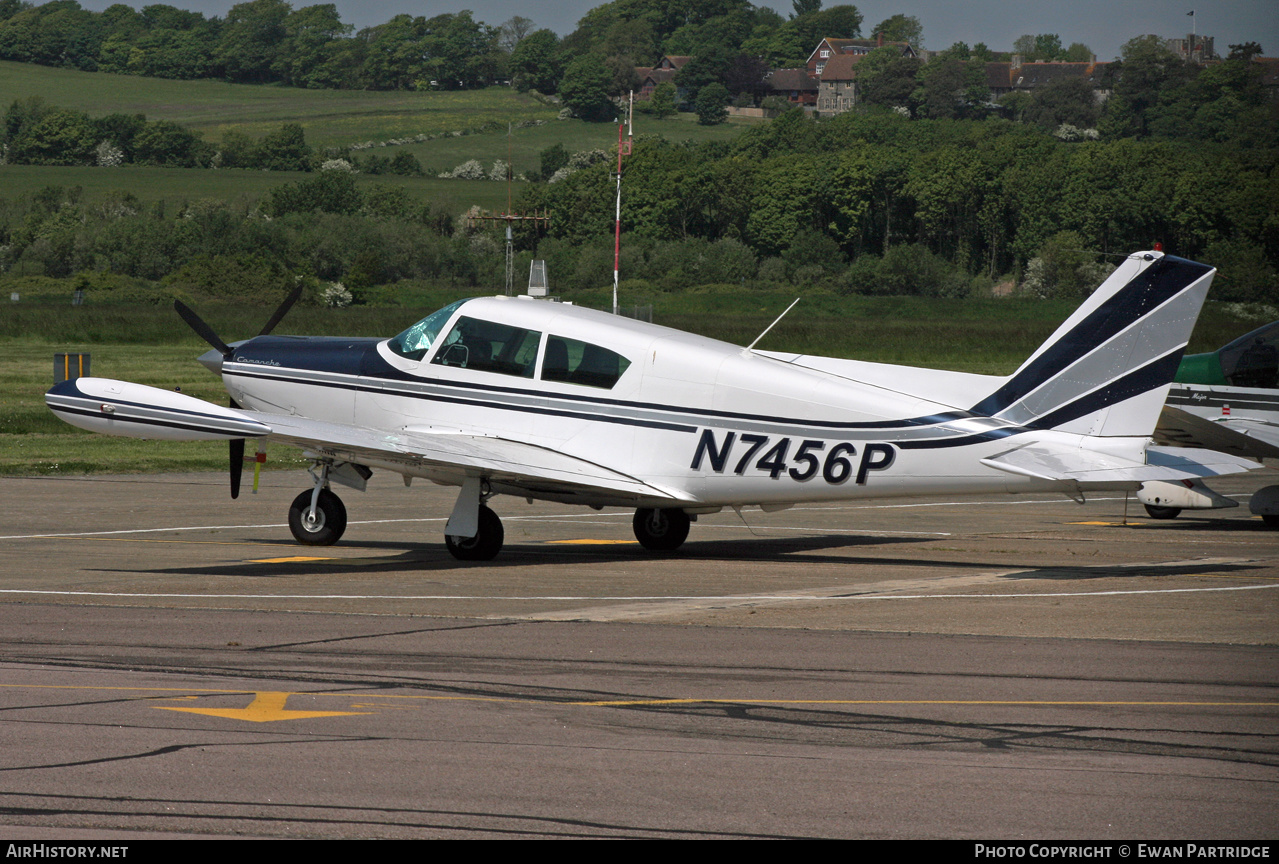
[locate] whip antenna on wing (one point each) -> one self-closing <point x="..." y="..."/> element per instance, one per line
<point x="770" y="326"/>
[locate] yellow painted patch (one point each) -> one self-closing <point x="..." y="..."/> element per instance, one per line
<point x="595" y="542"/>
<point x="288" y="560"/>
<point x="1111" y="524"/>
<point x="265" y="708"/>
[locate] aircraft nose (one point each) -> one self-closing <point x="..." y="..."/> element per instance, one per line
<point x="212" y="360"/>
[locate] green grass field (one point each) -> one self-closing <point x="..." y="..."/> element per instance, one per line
<point x="331" y="118"/>
<point x="525" y="145"/>
<point x="178" y="185"/>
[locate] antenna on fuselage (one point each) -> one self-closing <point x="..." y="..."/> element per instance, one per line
<point x="769" y="327"/>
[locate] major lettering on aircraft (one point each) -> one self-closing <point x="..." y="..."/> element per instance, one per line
<point x="834" y="461"/>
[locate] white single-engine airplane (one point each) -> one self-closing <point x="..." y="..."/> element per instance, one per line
<point x="536" y="399"/>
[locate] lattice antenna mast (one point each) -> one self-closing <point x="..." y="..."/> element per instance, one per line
<point x="509" y="217"/>
<point x="623" y="148"/>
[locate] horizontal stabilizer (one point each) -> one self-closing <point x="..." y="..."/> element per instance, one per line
<point x="1049" y="462"/>
<point x="1258" y="430"/>
<point x="1241" y="436"/>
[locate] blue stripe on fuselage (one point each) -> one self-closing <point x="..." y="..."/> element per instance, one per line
<point x="273" y="356"/>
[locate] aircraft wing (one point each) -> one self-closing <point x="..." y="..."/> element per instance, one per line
<point x="1057" y="463"/>
<point x="1239" y="436"/>
<point x="453" y="456"/>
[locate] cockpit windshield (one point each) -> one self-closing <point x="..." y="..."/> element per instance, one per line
<point x="414" y="342"/>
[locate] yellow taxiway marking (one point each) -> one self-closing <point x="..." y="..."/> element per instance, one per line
<point x="288" y="560"/>
<point x="269" y="705"/>
<point x="595" y="542"/>
<point x="1113" y="524"/>
<point x="265" y="708"/>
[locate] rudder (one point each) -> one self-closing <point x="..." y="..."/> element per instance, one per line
<point x="1106" y="371"/>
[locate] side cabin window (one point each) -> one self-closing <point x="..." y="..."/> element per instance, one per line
<point x="574" y="362"/>
<point x="489" y="347"/>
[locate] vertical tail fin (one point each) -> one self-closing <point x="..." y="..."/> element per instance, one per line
<point x="1106" y="371"/>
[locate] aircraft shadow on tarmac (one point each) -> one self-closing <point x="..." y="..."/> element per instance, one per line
<point x="431" y="556"/>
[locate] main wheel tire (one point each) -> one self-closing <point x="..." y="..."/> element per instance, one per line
<point x="330" y="519"/>
<point x="660" y="530"/>
<point x="485" y="545"/>
<point x="1156" y="512"/>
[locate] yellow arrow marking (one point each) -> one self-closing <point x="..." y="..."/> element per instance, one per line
<point x="265" y="708"/>
<point x="288" y="560"/>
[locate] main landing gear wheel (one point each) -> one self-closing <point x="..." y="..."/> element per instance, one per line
<point x="660" y="530"/>
<point x="329" y="523"/>
<point x="485" y="545"/>
<point x="1156" y="512"/>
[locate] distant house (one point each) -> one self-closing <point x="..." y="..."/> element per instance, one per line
<point x="1004" y="77"/>
<point x="795" y="85"/>
<point x="837" y="85"/>
<point x="651" y="76"/>
<point x="829" y="48"/>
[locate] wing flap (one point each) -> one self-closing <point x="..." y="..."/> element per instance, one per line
<point x="501" y="460"/>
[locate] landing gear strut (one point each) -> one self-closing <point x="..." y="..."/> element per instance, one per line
<point x="486" y="543"/>
<point x="318" y="517"/>
<point x="660" y="530"/>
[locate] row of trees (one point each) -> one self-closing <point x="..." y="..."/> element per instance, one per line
<point x="984" y="196"/>
<point x="1153" y="94"/>
<point x="37" y="133"/>
<point x="34" y="132"/>
<point x="259" y="41"/>
<point x="861" y="204"/>
<point x="732" y="42"/>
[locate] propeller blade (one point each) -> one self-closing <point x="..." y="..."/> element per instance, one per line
<point x="283" y="310"/>
<point x="237" y="465"/>
<point x="204" y="331"/>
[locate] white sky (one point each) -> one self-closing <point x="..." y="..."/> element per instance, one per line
<point x="1103" y="25"/>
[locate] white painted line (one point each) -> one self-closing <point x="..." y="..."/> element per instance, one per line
<point x="637" y="598"/>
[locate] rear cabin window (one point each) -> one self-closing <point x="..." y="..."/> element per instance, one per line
<point x="489" y="347"/>
<point x="575" y="362"/>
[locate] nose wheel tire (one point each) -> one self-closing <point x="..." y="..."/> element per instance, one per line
<point x="660" y="530"/>
<point x="329" y="522"/>
<point x="1156" y="512"/>
<point x="485" y="545"/>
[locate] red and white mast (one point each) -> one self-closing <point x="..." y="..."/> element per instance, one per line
<point x="617" y="228"/>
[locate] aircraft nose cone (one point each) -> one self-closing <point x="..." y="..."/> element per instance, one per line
<point x="212" y="360"/>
